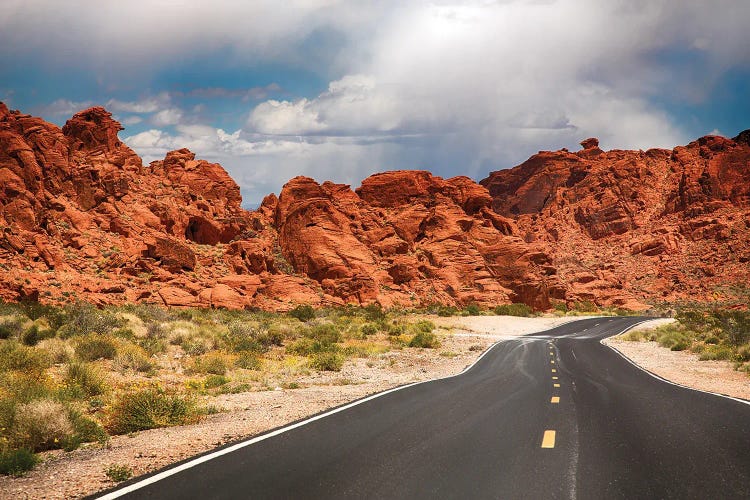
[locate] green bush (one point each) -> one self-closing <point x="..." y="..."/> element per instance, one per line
<point x="716" y="352"/>
<point x="16" y="462"/>
<point x="214" y="363"/>
<point x="11" y="328"/>
<point x="445" y="311"/>
<point x="326" y="333"/>
<point x="246" y="337"/>
<point x="149" y="409"/>
<point x="215" y="381"/>
<point x="515" y="309"/>
<point x="133" y="358"/>
<point x="327" y="361"/>
<point x="84" y="319"/>
<point x="118" y="473"/>
<point x="35" y="334"/>
<point x="425" y="340"/>
<point x="40" y="425"/>
<point x="373" y="312"/>
<point x="471" y="310"/>
<point x="93" y="347"/>
<point x="423" y="326"/>
<point x="17" y="357"/>
<point x="87" y="378"/>
<point x="248" y="361"/>
<point x="303" y="313"/>
<point x="369" y="329"/>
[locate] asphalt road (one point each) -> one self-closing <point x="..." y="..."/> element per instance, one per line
<point x="495" y="432"/>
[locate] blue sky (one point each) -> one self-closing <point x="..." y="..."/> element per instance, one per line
<point x="339" y="90"/>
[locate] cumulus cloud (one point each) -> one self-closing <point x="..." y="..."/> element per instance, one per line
<point x="170" y="116"/>
<point x="459" y="87"/>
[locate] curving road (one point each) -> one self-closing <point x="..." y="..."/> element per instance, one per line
<point x="506" y="428"/>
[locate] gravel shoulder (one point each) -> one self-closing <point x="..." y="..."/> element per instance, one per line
<point x="683" y="367"/>
<point x="81" y="472"/>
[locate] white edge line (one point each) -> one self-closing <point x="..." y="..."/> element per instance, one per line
<point x="205" y="458"/>
<point x="658" y="377"/>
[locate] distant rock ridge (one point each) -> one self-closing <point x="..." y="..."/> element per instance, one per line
<point x="81" y="218"/>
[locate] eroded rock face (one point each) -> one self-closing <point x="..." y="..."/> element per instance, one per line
<point x="81" y="218"/>
<point x="80" y="203"/>
<point x="648" y="226"/>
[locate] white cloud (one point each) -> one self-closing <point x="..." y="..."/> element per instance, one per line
<point x="170" y="116"/>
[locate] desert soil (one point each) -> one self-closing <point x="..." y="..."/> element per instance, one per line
<point x="82" y="472"/>
<point x="683" y="367"/>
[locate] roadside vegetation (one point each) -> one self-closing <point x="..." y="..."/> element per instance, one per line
<point x="77" y="374"/>
<point x="713" y="334"/>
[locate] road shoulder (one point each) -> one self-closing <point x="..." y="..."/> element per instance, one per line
<point x="682" y="367"/>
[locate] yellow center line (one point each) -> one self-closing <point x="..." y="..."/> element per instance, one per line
<point x="554" y="371"/>
<point x="556" y="385"/>
<point x="552" y="354"/>
<point x="554" y="378"/>
<point x="552" y="361"/>
<point x="555" y="399"/>
<point x="548" y="441"/>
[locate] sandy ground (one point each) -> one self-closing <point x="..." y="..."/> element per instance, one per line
<point x="81" y="472"/>
<point x="683" y="367"/>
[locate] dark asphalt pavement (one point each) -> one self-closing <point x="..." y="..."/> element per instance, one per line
<point x="618" y="433"/>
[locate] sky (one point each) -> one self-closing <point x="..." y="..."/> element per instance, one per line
<point x="338" y="90"/>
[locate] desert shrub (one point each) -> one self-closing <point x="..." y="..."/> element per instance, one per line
<point x="150" y="408"/>
<point x="39" y="425"/>
<point x="84" y="319"/>
<point x="374" y="312"/>
<point x="445" y="311"/>
<point x="35" y="310"/>
<point x="471" y="310"/>
<point x="86" y="430"/>
<point x="736" y="325"/>
<point x="716" y="352"/>
<point x="59" y="351"/>
<point x="11" y="328"/>
<point x="515" y="309"/>
<point x="248" y="361"/>
<point x="213" y="381"/>
<point x="17" y="357"/>
<point x="743" y="353"/>
<point x="93" y="347"/>
<point x="148" y="313"/>
<point x="327" y="361"/>
<point x="243" y="336"/>
<point x="423" y="326"/>
<point x="424" y="339"/>
<point x="214" y="363"/>
<point x="118" y="473"/>
<point x="560" y="307"/>
<point x="327" y="333"/>
<point x="37" y="332"/>
<point x="88" y="378"/>
<point x="195" y="345"/>
<point x="307" y="347"/>
<point x="303" y="313"/>
<point x="131" y="357"/>
<point x="16" y="462"/>
<point x="395" y="329"/>
<point x="369" y="329"/>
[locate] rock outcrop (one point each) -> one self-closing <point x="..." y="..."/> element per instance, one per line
<point x="81" y="218"/>
<point x="628" y="227"/>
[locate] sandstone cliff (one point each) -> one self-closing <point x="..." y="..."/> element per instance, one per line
<point x="81" y="218"/>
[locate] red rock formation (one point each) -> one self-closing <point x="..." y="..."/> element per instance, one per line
<point x="81" y="217"/>
<point x="624" y="227"/>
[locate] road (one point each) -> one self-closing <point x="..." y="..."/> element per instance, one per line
<point x="549" y="415"/>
